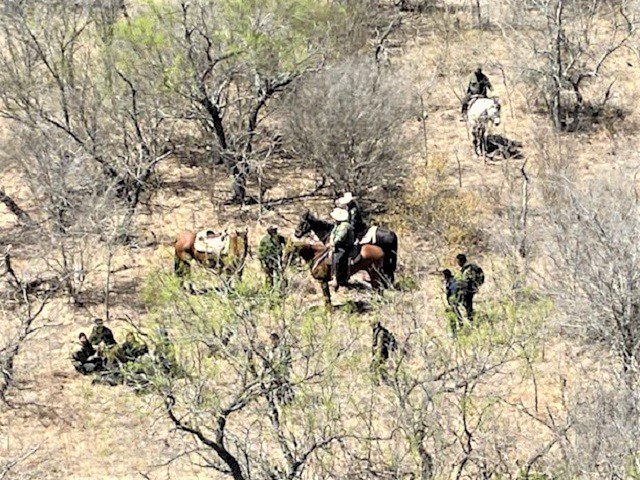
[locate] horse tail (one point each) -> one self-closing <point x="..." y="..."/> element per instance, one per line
<point x="391" y="258"/>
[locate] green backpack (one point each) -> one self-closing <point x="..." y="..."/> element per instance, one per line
<point x="474" y="275"/>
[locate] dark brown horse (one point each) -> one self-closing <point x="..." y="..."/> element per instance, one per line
<point x="386" y="239"/>
<point x="318" y="257"/>
<point x="229" y="263"/>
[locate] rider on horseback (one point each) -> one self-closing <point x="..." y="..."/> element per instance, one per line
<point x="479" y="86"/>
<point x="348" y="202"/>
<point x="342" y="241"/>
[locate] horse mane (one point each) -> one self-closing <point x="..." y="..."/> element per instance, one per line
<point x="319" y="224"/>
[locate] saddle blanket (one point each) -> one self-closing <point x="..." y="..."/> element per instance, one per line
<point x="212" y="243"/>
<point x="369" y="237"/>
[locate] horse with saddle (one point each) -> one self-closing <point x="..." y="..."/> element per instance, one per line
<point x="375" y="249"/>
<point x="223" y="252"/>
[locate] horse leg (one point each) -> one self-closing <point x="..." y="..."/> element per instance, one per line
<point x="476" y="143"/>
<point x="326" y="292"/>
<point x="483" y="146"/>
<point x="377" y="280"/>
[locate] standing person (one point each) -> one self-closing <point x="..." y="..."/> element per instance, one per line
<point x="278" y="361"/>
<point x="479" y="86"/>
<point x="453" y="293"/>
<point x="356" y="218"/>
<point x="342" y="240"/>
<point x="165" y="353"/>
<point x="270" y="254"/>
<point x="383" y="344"/>
<point x="472" y="278"/>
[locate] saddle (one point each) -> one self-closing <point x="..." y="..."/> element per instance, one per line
<point x="212" y="243"/>
<point x="370" y="237"/>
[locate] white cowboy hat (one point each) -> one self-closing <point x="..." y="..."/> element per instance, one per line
<point x="346" y="198"/>
<point x="340" y="215"/>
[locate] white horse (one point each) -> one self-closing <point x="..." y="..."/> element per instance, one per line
<point x="482" y="111"/>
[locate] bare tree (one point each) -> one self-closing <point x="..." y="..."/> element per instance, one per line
<point x="347" y="122"/>
<point x="80" y="209"/>
<point x="594" y="249"/>
<point x="228" y="63"/>
<point x="59" y="72"/>
<point x="21" y="308"/>
<point x="256" y="407"/>
<point x="14" y="208"/>
<point x="571" y="42"/>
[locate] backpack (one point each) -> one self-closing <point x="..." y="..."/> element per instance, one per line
<point x="474" y="274"/>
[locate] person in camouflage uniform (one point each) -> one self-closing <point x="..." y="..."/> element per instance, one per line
<point x="342" y="240"/>
<point x="165" y="354"/>
<point x="479" y="86"/>
<point x="278" y="365"/>
<point x="270" y="255"/>
<point x="131" y="349"/>
<point x="471" y="278"/>
<point x="101" y="334"/>
<point x="384" y="343"/>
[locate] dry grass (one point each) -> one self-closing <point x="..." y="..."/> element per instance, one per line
<point x="96" y="432"/>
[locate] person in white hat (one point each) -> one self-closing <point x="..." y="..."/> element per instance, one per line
<point x="342" y="241"/>
<point x="348" y="202"/>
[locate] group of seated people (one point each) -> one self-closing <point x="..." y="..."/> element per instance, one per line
<point x="100" y="351"/>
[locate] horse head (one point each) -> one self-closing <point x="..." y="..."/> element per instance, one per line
<point x="304" y="227"/>
<point x="493" y="112"/>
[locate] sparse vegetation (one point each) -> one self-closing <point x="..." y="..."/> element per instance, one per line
<point x="125" y="122"/>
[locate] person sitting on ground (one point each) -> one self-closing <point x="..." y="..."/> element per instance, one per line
<point x="101" y="334"/>
<point x="131" y="349"/>
<point x="270" y="254"/>
<point x="356" y="218"/>
<point x="472" y="278"/>
<point x="383" y="344"/>
<point x="342" y="241"/>
<point x="84" y="360"/>
<point x="479" y="86"/>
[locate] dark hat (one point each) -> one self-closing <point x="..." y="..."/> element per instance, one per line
<point x="272" y="229"/>
<point x="98" y="321"/>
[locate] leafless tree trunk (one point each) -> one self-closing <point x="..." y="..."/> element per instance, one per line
<point x="14" y="208"/>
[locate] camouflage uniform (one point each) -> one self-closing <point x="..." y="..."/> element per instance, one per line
<point x="472" y="277"/>
<point x="278" y="364"/>
<point x="342" y="238"/>
<point x="383" y="344"/>
<point x="270" y="255"/>
<point x="479" y="86"/>
<point x="165" y="355"/>
<point x="131" y="350"/>
<point x="101" y="334"/>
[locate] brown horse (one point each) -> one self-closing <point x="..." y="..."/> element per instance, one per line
<point x="318" y="257"/>
<point x="230" y="263"/>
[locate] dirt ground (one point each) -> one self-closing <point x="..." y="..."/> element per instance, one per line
<point x="77" y="430"/>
